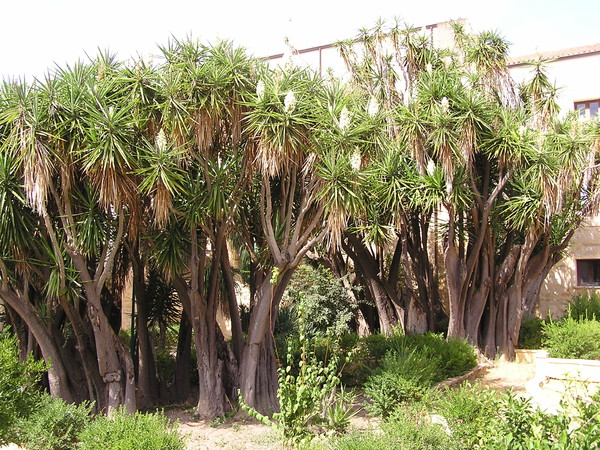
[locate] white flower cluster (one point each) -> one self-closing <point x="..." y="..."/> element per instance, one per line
<point x="430" y="167"/>
<point x="344" y="121"/>
<point x="289" y="102"/>
<point x="260" y="90"/>
<point x="445" y="105"/>
<point x="161" y="140"/>
<point x="355" y="160"/>
<point x="373" y="107"/>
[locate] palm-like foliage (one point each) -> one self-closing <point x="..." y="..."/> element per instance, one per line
<point x="424" y="146"/>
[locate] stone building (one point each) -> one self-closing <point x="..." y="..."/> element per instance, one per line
<point x="575" y="73"/>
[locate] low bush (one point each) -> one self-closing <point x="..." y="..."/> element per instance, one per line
<point x="586" y="306"/>
<point x="454" y="356"/>
<point x="575" y="426"/>
<point x="125" y="431"/>
<point x="530" y="335"/>
<point x="19" y="393"/>
<point x="581" y="307"/>
<point x="471" y="413"/>
<point x="412" y="365"/>
<point x="472" y="417"/>
<point x="409" y="428"/>
<point x="52" y="425"/>
<point x="386" y="391"/>
<point x="572" y="338"/>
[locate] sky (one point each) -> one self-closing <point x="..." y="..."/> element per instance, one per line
<point x="37" y="35"/>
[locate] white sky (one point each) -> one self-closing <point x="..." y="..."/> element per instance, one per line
<point x="37" y="34"/>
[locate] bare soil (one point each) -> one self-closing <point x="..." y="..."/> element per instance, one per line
<point x="508" y="375"/>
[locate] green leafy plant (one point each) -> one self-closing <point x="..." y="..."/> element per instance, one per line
<point x="339" y="412"/>
<point x="453" y="356"/>
<point x="531" y="333"/>
<point x="304" y="397"/>
<point x="403" y="377"/>
<point x="409" y="428"/>
<point x="125" y="431"/>
<point x="572" y="337"/>
<point x="19" y="393"/>
<point x="324" y="300"/>
<point x="412" y="364"/>
<point x="52" y="425"/>
<point x="585" y="306"/>
<point x="576" y="425"/>
<point x="471" y="414"/>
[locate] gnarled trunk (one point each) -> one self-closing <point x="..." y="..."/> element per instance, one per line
<point x="148" y="388"/>
<point x="57" y="375"/>
<point x="258" y="370"/>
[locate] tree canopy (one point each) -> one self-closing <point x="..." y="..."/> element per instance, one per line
<point x="429" y="179"/>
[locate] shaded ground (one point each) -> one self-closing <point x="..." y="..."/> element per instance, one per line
<point x="229" y="433"/>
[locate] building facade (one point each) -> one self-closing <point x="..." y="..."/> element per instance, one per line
<point x="574" y="72"/>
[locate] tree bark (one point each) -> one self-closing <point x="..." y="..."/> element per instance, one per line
<point x="147" y="381"/>
<point x="57" y="375"/>
<point x="182" y="359"/>
<point x="258" y="374"/>
<point x="381" y="294"/>
<point x="237" y="336"/>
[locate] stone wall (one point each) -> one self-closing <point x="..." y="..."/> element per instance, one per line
<point x="561" y="284"/>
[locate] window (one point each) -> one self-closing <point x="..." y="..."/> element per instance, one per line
<point x="588" y="108"/>
<point x="588" y="272"/>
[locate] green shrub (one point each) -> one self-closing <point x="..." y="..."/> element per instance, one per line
<point x="471" y="413"/>
<point x="19" y="393"/>
<point x="408" y="428"/>
<point x="404" y="376"/>
<point x="306" y="394"/>
<point x="575" y="426"/>
<point x="324" y="299"/>
<point x="586" y="306"/>
<point x="375" y="347"/>
<point x="387" y="391"/>
<point x="531" y="333"/>
<point x="454" y="356"/>
<point x="572" y="338"/>
<point x="125" y="431"/>
<point x="53" y="424"/>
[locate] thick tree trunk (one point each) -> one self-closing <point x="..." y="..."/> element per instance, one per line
<point x="212" y="398"/>
<point x="211" y="395"/>
<point x="147" y="382"/>
<point x="87" y="354"/>
<point x="389" y="310"/>
<point x="57" y="375"/>
<point x="258" y="374"/>
<point x="237" y="336"/>
<point x="182" y="359"/>
<point x="456" y="316"/>
<point x="116" y="381"/>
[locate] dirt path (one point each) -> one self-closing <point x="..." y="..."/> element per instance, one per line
<point x="508" y="375"/>
<point x="235" y="433"/>
<point x="228" y="433"/>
